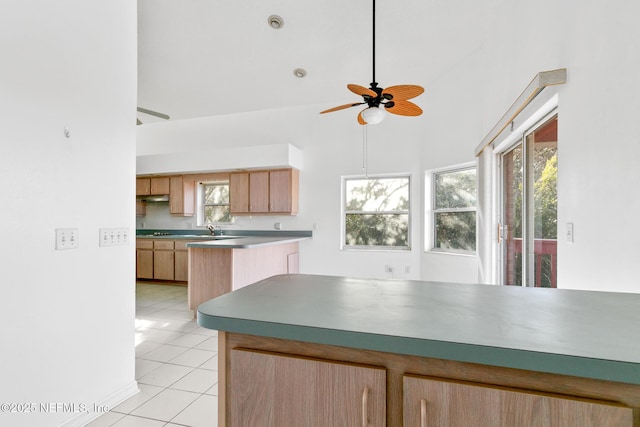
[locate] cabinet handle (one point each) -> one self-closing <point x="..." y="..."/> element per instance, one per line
<point x="365" y="405"/>
<point x="423" y="413"/>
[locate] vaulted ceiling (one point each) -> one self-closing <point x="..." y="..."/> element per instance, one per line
<point x="209" y="57"/>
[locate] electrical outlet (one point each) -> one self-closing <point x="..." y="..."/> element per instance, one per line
<point x="114" y="237"/>
<point x="67" y="238"/>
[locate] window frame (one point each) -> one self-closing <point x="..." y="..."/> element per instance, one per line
<point x="431" y="211"/>
<point x="344" y="212"/>
<point x="200" y="201"/>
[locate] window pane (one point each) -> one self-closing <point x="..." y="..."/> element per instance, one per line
<point x="381" y="194"/>
<point x="213" y="214"/>
<point x="456" y="189"/>
<point x="377" y="230"/>
<point x="216" y="194"/>
<point x="456" y="230"/>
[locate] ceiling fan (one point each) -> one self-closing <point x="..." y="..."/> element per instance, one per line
<point x="151" y="113"/>
<point x="394" y="99"/>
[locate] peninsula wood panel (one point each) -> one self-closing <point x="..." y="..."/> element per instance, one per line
<point x="437" y="402"/>
<point x="217" y="271"/>
<point x="271" y="390"/>
<point x="253" y="264"/>
<point x="210" y="274"/>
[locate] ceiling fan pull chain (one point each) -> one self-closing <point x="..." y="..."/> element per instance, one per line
<point x="364" y="151"/>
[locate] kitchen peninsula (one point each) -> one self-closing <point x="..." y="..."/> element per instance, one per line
<point x="320" y="350"/>
<point x="230" y="262"/>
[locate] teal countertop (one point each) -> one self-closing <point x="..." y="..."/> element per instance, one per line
<point x="580" y="333"/>
<point x="233" y="239"/>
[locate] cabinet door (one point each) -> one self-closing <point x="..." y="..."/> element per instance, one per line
<point x="259" y="192"/>
<point x="144" y="264"/>
<point x="239" y="192"/>
<point x="181" y="196"/>
<point x="273" y="390"/>
<point x="280" y="191"/>
<point x="143" y="186"/>
<point x="436" y="402"/>
<point x="160" y="186"/>
<point x="163" y="259"/>
<point x="181" y="263"/>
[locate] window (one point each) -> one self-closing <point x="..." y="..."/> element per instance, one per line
<point x="376" y="213"/>
<point x="214" y="203"/>
<point x="454" y="210"/>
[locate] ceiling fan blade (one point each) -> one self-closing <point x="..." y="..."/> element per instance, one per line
<point x="403" y="108"/>
<point x="153" y="113"/>
<point x="402" y="92"/>
<point x="361" y="90"/>
<point x="360" y="119"/>
<point x="341" y="107"/>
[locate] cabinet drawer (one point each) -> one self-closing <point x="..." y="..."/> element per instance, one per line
<point x="144" y="244"/>
<point x="163" y="244"/>
<point x="181" y="245"/>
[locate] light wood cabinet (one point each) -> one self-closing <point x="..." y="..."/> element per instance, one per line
<point x="275" y="390"/>
<point x="141" y="208"/>
<point x="181" y="261"/>
<point x="181" y="196"/>
<point x="423" y="391"/>
<point x="152" y="186"/>
<point x="143" y="186"/>
<point x="437" y="402"/>
<point x="283" y="191"/>
<point x="163" y="259"/>
<point x="144" y="259"/>
<point x="259" y="192"/>
<point x="160" y="186"/>
<point x="264" y="192"/>
<point x="239" y="192"/>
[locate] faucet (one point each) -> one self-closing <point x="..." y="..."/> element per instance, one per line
<point x="212" y="229"/>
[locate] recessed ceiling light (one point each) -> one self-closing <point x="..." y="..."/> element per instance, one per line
<point x="299" y="72"/>
<point x="275" y="22"/>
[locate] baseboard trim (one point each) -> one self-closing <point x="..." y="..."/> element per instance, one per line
<point x="108" y="403"/>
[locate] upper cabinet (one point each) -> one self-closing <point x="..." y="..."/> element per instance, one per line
<point x="156" y="186"/>
<point x="181" y="196"/>
<point x="264" y="192"/>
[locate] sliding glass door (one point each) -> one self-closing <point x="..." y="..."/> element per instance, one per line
<point x="528" y="228"/>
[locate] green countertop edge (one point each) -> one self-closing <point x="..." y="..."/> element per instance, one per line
<point x="584" y="367"/>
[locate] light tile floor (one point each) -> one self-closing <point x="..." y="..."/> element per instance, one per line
<point x="176" y="365"/>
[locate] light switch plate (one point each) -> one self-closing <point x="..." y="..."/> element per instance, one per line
<point x="114" y="237"/>
<point x="67" y="238"/>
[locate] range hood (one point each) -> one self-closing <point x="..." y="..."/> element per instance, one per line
<point x="153" y="199"/>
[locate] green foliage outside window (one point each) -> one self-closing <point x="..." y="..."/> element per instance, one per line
<point x="455" y="210"/>
<point x="377" y="212"/>
<point x="215" y="203"/>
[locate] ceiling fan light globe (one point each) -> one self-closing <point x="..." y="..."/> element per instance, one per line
<point x="373" y="115"/>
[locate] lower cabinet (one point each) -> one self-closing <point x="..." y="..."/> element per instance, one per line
<point x="268" y="381"/>
<point x="144" y="259"/>
<point x="437" y="402"/>
<point x="274" y="390"/>
<point x="162" y="259"/>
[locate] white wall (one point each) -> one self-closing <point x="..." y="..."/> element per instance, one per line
<point x="66" y="317"/>
<point x="598" y="140"/>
